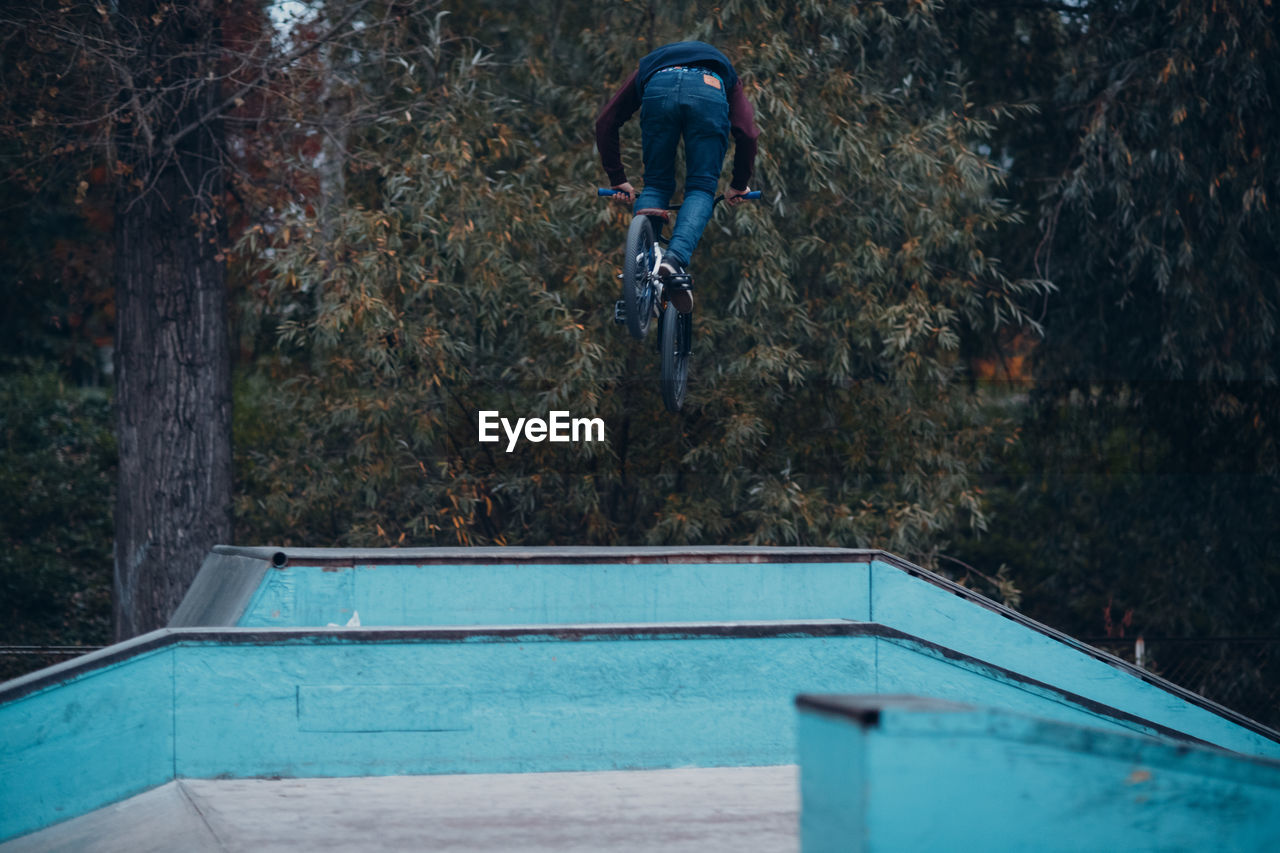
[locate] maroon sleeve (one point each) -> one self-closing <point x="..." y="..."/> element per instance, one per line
<point x="742" y="122"/>
<point x="621" y="107"/>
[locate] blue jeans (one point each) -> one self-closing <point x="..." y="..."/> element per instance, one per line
<point x="680" y="103"/>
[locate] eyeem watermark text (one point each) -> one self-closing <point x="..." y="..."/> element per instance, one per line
<point x="557" y="427"/>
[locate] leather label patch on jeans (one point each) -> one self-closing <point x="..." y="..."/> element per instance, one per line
<point x="710" y="80"/>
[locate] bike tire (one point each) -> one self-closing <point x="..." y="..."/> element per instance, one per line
<point x="675" y="339"/>
<point x="637" y="283"/>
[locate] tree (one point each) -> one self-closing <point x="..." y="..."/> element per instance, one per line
<point x="56" y="487"/>
<point x="1146" y="480"/>
<point x="173" y="363"/>
<point x="472" y="269"/>
<point x="1162" y="348"/>
<point x="142" y="89"/>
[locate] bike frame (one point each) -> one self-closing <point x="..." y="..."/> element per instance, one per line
<point x="609" y="191"/>
<point x="605" y="192"/>
<point x="643" y="292"/>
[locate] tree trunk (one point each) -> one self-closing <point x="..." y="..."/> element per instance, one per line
<point x="173" y="365"/>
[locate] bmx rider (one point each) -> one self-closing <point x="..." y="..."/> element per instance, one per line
<point x="685" y="89"/>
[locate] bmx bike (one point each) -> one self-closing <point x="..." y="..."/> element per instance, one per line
<point x="644" y="297"/>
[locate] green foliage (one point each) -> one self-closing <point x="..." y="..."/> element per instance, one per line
<point x="54" y="295"/>
<point x="1091" y="516"/>
<point x="1147" y="475"/>
<point x="471" y="268"/>
<point x="55" y="216"/>
<point x="57" y="484"/>
<point x="1106" y="537"/>
<point x="1171" y="187"/>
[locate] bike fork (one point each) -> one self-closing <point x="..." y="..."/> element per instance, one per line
<point x="620" y="306"/>
<point x="657" y="279"/>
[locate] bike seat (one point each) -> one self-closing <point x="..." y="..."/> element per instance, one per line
<point x="654" y="211"/>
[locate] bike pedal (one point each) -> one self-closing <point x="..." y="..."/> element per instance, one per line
<point x="620" y="312"/>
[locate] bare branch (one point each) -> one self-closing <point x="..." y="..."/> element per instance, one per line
<point x="173" y="138"/>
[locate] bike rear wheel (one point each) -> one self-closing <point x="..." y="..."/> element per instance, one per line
<point x="637" y="279"/>
<point x="675" y="341"/>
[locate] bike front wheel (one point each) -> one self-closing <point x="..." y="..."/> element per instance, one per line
<point x="675" y="341"/>
<point x="637" y="276"/>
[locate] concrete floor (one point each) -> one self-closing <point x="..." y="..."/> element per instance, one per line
<point x="696" y="809"/>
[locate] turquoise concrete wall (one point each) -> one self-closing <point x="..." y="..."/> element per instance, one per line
<point x="930" y="612"/>
<point x="922" y="778"/>
<point x="246" y="703"/>
<point x="833" y="784"/>
<point x="903" y="666"/>
<point x="299" y="596"/>
<point x="91" y="741"/>
<point x="297" y="704"/>
<point x="876" y="591"/>
<point x="261" y="701"/>
<point x="342" y="709"/>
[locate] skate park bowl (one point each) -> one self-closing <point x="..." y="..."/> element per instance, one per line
<point x="613" y="667"/>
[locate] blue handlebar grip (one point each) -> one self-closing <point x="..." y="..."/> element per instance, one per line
<point x="753" y="194"/>
<point x="601" y="191"/>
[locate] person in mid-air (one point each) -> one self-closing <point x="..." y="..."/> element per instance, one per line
<point x="686" y="89"/>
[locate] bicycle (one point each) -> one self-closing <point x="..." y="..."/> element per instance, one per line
<point x="643" y="297"/>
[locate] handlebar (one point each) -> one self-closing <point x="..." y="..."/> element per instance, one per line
<point x="608" y="191"/>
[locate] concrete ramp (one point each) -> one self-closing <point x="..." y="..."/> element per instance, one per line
<point x="313" y="588"/>
<point x="315" y="664"/>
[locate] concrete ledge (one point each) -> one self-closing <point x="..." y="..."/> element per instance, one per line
<point x="399" y="587"/>
<point x="915" y="659"/>
<point x="245" y="703"/>
<point x="625" y="554"/>
<point x="890" y="773"/>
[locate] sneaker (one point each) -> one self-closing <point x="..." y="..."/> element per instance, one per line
<point x="679" y="284"/>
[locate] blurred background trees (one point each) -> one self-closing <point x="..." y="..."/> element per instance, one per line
<point x="471" y="268"/>
<point x="1142" y="496"/>
<point x="1009" y="309"/>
